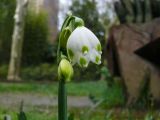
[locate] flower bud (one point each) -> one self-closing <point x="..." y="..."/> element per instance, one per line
<point x="78" y="22"/>
<point x="65" y="70"/>
<point x="64" y="36"/>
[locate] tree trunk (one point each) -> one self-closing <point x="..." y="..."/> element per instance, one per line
<point x="17" y="40"/>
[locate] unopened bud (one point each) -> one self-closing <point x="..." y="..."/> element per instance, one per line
<point x="79" y="22"/>
<point x="65" y="70"/>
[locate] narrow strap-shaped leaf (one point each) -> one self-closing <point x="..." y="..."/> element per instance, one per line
<point x="71" y="116"/>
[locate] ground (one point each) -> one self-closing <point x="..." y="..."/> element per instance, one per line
<point x="40" y="99"/>
<point x="40" y="102"/>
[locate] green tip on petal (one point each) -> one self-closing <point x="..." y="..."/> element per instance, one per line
<point x="97" y="60"/>
<point x="99" y="48"/>
<point x="70" y="54"/>
<point x="85" y="49"/>
<point x="83" y="62"/>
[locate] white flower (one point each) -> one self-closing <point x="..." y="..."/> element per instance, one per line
<point x="83" y="46"/>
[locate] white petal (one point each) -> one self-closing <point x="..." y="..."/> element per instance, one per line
<point x="93" y="40"/>
<point x="77" y="40"/>
<point x="95" y="57"/>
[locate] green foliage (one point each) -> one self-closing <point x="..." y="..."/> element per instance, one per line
<point x="149" y="116"/>
<point x="71" y="116"/>
<point x="36" y="45"/>
<point x="145" y="99"/>
<point x="87" y="73"/>
<point x="113" y="95"/>
<point x="109" y="116"/>
<point x="38" y="73"/>
<point x="7" y="9"/>
<point x="51" y="88"/>
<point x="41" y="72"/>
<point x="22" y="115"/>
<point x="50" y="113"/>
<point x="3" y="71"/>
<point x="107" y="76"/>
<point x="35" y="38"/>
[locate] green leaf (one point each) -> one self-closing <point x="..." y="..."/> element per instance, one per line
<point x="71" y="116"/>
<point x="22" y="116"/>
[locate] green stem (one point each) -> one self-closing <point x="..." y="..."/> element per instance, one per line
<point x="62" y="101"/>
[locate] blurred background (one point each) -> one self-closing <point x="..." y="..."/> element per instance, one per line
<point x="97" y="92"/>
<point x="42" y="24"/>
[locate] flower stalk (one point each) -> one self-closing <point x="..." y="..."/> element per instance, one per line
<point x="64" y="75"/>
<point x="62" y="100"/>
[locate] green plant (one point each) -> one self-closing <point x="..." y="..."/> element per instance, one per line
<point x="35" y="46"/>
<point x="35" y="38"/>
<point x="145" y="99"/>
<point x="107" y="76"/>
<point x="149" y="116"/>
<point x="3" y="71"/>
<point x="41" y="72"/>
<point x="109" y="115"/>
<point x="22" y="115"/>
<point x="113" y="96"/>
<point x="87" y="73"/>
<point x="7" y="10"/>
<point x="77" y="44"/>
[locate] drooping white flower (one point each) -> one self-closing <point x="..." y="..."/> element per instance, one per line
<point x="83" y="46"/>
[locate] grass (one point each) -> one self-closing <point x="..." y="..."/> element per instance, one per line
<point x="113" y="97"/>
<point x="95" y="90"/>
<point x="50" y="113"/>
<point x="35" y="113"/>
<point x="32" y="114"/>
<point x="45" y="113"/>
<point x="74" y="88"/>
